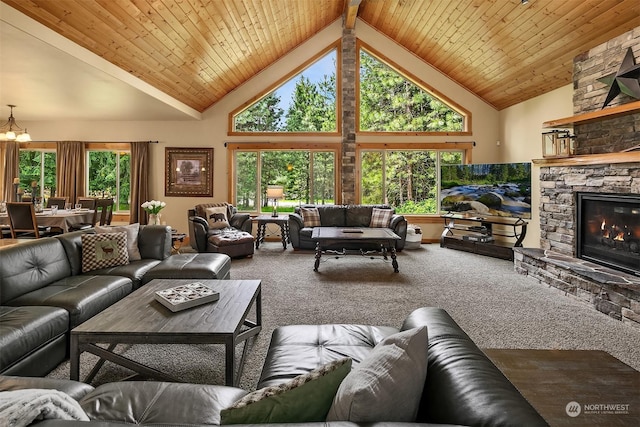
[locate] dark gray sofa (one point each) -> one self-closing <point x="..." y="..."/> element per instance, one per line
<point x="462" y="386"/>
<point x="341" y="216"/>
<point x="44" y="294"/>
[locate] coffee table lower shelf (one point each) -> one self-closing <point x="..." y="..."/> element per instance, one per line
<point x="140" y="319"/>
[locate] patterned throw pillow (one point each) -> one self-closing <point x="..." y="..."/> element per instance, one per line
<point x="380" y="218"/>
<point x="387" y="385"/>
<point x="132" y="231"/>
<point x="306" y="398"/>
<point x="217" y="217"/>
<point x="310" y="217"/>
<point x="104" y="250"/>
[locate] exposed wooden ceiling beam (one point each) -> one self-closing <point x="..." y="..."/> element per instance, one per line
<point x="351" y="12"/>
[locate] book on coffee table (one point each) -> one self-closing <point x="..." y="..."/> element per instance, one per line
<point x="186" y="296"/>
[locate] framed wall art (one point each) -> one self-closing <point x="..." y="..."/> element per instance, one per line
<point x="188" y="172"/>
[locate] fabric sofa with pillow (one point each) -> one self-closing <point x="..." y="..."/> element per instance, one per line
<point x="306" y="217"/>
<point x="428" y="372"/>
<point x="219" y="228"/>
<point x="49" y="286"/>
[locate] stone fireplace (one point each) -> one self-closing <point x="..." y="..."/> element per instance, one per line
<point x="606" y="168"/>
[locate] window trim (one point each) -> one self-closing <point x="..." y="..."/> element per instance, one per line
<point x="333" y="46"/>
<point x="467" y="121"/>
<point x="465" y="147"/>
<point x="335" y="147"/>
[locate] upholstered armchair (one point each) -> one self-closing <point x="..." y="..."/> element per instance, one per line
<point x="210" y="232"/>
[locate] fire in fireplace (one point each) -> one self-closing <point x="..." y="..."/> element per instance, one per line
<point x="608" y="230"/>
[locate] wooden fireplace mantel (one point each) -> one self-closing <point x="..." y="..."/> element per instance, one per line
<point x="590" y="159"/>
<point x="594" y="116"/>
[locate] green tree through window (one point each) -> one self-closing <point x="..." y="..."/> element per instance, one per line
<point x="405" y="179"/>
<point x="389" y="102"/>
<point x="305" y="103"/>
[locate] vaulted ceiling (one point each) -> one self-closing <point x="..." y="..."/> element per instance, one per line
<point x="197" y="51"/>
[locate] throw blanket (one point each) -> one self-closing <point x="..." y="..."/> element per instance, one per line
<point x="22" y="407"/>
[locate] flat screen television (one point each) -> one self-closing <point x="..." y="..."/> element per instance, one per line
<point x="498" y="189"/>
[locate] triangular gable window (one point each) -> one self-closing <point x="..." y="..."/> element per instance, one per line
<point x="392" y="102"/>
<point x="304" y="103"/>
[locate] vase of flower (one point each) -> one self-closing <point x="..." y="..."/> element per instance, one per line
<point x="154" y="219"/>
<point x="153" y="208"/>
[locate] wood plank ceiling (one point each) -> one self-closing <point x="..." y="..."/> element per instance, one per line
<point x="197" y="51"/>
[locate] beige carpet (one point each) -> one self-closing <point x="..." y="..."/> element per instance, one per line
<point x="497" y="307"/>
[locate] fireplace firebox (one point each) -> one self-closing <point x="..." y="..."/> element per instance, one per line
<point x="608" y="230"/>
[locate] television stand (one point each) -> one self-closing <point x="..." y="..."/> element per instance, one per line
<point x="477" y="234"/>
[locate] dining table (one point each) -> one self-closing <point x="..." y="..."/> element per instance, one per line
<point x="62" y="219"/>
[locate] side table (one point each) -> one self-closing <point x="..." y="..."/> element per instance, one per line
<point x="280" y="220"/>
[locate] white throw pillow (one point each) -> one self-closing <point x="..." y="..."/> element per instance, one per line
<point x="387" y="385"/>
<point x="217" y="217"/>
<point x="132" y="231"/>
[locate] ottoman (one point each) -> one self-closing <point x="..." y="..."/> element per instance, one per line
<point x="232" y="243"/>
<point x="191" y="266"/>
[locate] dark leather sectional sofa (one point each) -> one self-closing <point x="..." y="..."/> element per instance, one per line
<point x="44" y="294"/>
<point x="341" y="216"/>
<point x="462" y="386"/>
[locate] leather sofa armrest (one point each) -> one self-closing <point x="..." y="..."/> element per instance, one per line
<point x="399" y="226"/>
<point x="154" y="242"/>
<point x="74" y="389"/>
<point x="198" y="228"/>
<point x="295" y="225"/>
<point x="462" y="376"/>
<point x="159" y="403"/>
<point x="241" y="221"/>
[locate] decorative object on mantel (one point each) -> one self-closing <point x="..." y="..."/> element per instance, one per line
<point x="10" y="131"/>
<point x="557" y="143"/>
<point x="153" y="208"/>
<point x="635" y="148"/>
<point x="625" y="80"/>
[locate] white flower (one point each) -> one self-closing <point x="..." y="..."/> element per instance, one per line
<point x="153" y="207"/>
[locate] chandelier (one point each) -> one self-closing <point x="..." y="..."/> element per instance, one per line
<point x="10" y="131"/>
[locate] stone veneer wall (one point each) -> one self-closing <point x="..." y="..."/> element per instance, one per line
<point x="555" y="263"/>
<point x="348" y="166"/>
<point x="558" y="185"/>
<point x="612" y="135"/>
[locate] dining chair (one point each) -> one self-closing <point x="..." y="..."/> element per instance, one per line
<point x="57" y="201"/>
<point x="87" y="202"/>
<point x="22" y="221"/>
<point x="106" y="210"/>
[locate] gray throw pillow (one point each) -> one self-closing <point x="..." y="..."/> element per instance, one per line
<point x="132" y="231"/>
<point x="387" y="385"/>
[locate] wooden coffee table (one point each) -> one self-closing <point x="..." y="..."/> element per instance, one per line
<point x="384" y="238"/>
<point x="140" y="319"/>
<point x="573" y="387"/>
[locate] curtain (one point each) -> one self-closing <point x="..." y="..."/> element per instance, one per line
<point x="9" y="159"/>
<point x="139" y="181"/>
<point x="70" y="158"/>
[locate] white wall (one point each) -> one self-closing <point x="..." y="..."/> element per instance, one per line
<point x="521" y="141"/>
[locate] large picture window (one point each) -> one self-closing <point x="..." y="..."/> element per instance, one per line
<point x="404" y="177"/>
<point x="38" y="166"/>
<point x="392" y="101"/>
<point x="303" y="102"/>
<point x="109" y="175"/>
<point x="308" y="175"/>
